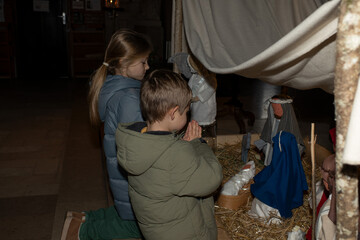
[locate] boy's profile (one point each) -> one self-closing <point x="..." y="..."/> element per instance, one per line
<point x="171" y="178"/>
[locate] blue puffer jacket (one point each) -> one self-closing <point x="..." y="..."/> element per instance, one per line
<point x="119" y="102"/>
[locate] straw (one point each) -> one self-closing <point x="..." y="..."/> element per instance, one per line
<point x="238" y="223"/>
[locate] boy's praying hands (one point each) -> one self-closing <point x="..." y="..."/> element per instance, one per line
<point x="193" y="131"/>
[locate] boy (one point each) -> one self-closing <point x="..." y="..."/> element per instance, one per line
<point x="170" y="179"/>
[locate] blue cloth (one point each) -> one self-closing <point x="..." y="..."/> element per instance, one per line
<point x="119" y="102"/>
<point x="281" y="184"/>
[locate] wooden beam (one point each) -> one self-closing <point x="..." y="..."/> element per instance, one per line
<point x="346" y="78"/>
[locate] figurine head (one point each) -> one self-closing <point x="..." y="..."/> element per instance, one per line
<point x="328" y="171"/>
<point x="276" y="102"/>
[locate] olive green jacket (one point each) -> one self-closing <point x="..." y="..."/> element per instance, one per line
<point x="170" y="184"/>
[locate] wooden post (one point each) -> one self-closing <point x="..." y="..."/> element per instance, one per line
<point x="346" y="77"/>
<point x="177" y="29"/>
<point x="313" y="185"/>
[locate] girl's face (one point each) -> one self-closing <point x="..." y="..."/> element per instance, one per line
<point x="137" y="69"/>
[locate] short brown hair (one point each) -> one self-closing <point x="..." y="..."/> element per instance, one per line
<point x="161" y="91"/>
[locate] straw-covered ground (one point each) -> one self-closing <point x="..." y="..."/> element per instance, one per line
<point x="238" y="224"/>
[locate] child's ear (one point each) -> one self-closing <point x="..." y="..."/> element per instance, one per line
<point x="172" y="112"/>
<point x="120" y="70"/>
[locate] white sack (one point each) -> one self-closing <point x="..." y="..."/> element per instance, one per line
<point x="236" y="182"/>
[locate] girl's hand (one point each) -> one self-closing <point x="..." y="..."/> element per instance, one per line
<point x="193" y="131"/>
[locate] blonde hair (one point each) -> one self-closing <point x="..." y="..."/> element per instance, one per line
<point x="161" y="91"/>
<point x="124" y="48"/>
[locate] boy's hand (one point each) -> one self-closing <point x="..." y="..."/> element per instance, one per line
<point x="193" y="131"/>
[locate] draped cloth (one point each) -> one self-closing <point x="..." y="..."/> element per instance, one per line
<point x="288" y="123"/>
<point x="281" y="42"/>
<point x="352" y="146"/>
<point x="272" y="126"/>
<point x="281" y="184"/>
<point x="288" y="43"/>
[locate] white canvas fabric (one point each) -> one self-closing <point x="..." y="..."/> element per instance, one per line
<point x="281" y="42"/>
<point x="352" y="143"/>
<point x="204" y="110"/>
<point x="262" y="210"/>
<point x="289" y="43"/>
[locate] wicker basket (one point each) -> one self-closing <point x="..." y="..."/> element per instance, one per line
<point x="234" y="202"/>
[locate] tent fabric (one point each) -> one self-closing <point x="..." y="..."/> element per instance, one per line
<point x="352" y="149"/>
<point x="288" y="43"/>
<point x="281" y="184"/>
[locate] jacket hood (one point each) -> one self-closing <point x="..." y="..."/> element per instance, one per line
<point x="113" y="84"/>
<point x="137" y="152"/>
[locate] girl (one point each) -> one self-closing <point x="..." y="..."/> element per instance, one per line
<point x="114" y="98"/>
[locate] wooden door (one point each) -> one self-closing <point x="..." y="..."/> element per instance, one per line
<point x="41" y="39"/>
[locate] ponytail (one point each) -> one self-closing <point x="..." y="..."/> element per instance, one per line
<point x="97" y="81"/>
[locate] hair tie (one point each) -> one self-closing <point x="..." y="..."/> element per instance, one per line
<point x="105" y="64"/>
